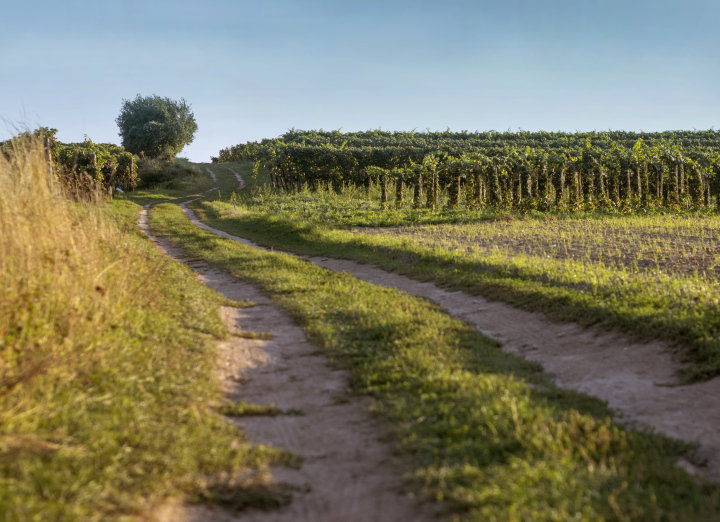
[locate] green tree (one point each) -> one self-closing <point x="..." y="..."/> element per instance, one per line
<point x="158" y="127"/>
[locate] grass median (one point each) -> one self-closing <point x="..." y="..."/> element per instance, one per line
<point x="487" y="432"/>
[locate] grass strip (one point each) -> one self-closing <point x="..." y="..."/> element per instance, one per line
<point x="684" y="309"/>
<point x="246" y="409"/>
<point x="486" y="431"/>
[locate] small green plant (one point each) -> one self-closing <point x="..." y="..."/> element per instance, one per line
<point x="245" y="409"/>
<point x="255" y="335"/>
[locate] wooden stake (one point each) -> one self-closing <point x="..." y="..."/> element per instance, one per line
<point x="48" y="162"/>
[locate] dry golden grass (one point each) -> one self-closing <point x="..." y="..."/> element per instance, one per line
<point x="106" y="356"/>
<point x="54" y="271"/>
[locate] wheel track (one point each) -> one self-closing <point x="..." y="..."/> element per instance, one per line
<point x="347" y="473"/>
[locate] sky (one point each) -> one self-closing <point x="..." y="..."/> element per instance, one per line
<point x="254" y="69"/>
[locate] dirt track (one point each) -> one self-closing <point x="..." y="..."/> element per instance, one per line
<point x="347" y="473"/>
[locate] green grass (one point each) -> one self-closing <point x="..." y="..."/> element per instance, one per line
<point x="486" y="431"/>
<point x="189" y="185"/>
<point x="255" y="335"/>
<point x="609" y="270"/>
<point x="360" y="206"/>
<point x="133" y="423"/>
<point x="245" y="409"/>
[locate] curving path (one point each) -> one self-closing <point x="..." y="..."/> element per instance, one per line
<point x="347" y="472"/>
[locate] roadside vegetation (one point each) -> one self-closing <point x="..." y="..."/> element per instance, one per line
<point x="486" y="432"/>
<point x="106" y="355"/>
<point x="154" y="173"/>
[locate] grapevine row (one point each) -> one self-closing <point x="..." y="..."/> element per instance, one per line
<point x="83" y="166"/>
<point x="546" y="176"/>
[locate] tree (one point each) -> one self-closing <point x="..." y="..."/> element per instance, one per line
<point x="158" y="127"/>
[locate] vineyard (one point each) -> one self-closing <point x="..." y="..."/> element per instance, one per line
<point x="503" y="171"/>
<point x="81" y="167"/>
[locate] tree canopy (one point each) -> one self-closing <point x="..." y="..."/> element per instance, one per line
<point x="158" y="127"/>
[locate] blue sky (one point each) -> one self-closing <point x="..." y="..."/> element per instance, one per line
<point x="251" y="70"/>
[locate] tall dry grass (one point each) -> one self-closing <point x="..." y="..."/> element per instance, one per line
<point x="57" y="286"/>
<point x="106" y="357"/>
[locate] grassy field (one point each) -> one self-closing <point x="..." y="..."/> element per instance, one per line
<point x="648" y="274"/>
<point x="487" y="432"/>
<point x="107" y="400"/>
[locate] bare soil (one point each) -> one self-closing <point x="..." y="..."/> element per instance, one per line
<point x="677" y="245"/>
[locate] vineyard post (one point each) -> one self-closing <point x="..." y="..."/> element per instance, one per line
<point x="496" y="197"/>
<point x="93" y="164"/>
<point x="48" y="161"/>
<point x="109" y="186"/>
<point x="383" y="190"/>
<point x="516" y="184"/>
<point x="629" y="190"/>
<point x="399" y="189"/>
<point x="527" y="185"/>
<point x="560" y="186"/>
<point x="662" y="193"/>
<point x="417" y="196"/>
<point x="579" y="196"/>
<point x="454" y="191"/>
<point x="477" y="190"/>
<point x="683" y="180"/>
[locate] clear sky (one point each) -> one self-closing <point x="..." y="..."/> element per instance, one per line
<point x="252" y="69"/>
